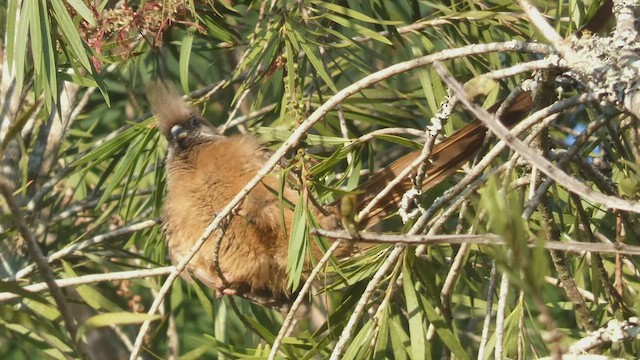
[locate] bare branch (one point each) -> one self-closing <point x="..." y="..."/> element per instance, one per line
<point x="500" y="316"/>
<point x="489" y="311"/>
<point x="89" y="242"/>
<point x="288" y="321"/>
<point x="43" y="267"/>
<point x="541" y="163"/>
<point x="358" y="311"/>
<point x="485" y="239"/>
<point x="616" y="331"/>
<point x="90" y="279"/>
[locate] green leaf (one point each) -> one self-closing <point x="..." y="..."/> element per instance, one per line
<point x="12" y="8"/>
<point x="451" y="341"/>
<point x="400" y="340"/>
<point x="47" y="311"/>
<point x="111" y="147"/>
<point x="265" y="48"/>
<point x="114" y="319"/>
<point x="354" y="14"/>
<point x="298" y="242"/>
<point x="197" y="353"/>
<point x="400" y="141"/>
<point x="185" y="54"/>
<point x="282" y="134"/>
<point x="16" y="127"/>
<point x="127" y="164"/>
<point x="382" y="334"/>
<point x="360" y="347"/>
<point x="19" y="51"/>
<point x="70" y="33"/>
<point x="90" y="295"/>
<point x="44" y="57"/>
<point x="415" y="315"/>
<point x="265" y="40"/>
<point x="311" y="53"/>
<point x="85" y="80"/>
<point x="33" y="332"/>
<point x="82" y="10"/>
<point x="426" y="76"/>
<point x="218" y="31"/>
<point x="361" y="30"/>
<point x="204" y="300"/>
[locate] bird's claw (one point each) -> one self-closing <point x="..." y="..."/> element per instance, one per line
<point x="220" y="292"/>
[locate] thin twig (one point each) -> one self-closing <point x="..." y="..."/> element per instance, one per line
<point x="233" y="112"/>
<point x="91" y="204"/>
<point x="500" y="316"/>
<point x="244" y="118"/>
<point x="394" y="282"/>
<point x="346" y="334"/>
<point x="286" y="324"/>
<point x="43" y="267"/>
<point x="530" y="155"/>
<point x="543" y="64"/>
<point x="90" y="279"/>
<point x="616" y="331"/>
<point x="485" y="239"/>
<point x="585" y="293"/>
<point x="89" y="242"/>
<point x="427" y="149"/>
<point x="344" y="131"/>
<point x="478" y="171"/>
<point x="570" y="154"/>
<point x="548" y="32"/>
<point x="489" y="310"/>
<point x="424" y="155"/>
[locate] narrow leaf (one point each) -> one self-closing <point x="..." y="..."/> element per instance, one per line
<point x="354" y="14"/>
<point x="297" y="244"/>
<point x="314" y="58"/>
<point x="415" y="315"/>
<point x="358" y="28"/>
<point x="185" y="55"/>
<point x="70" y="33"/>
<point x="109" y="319"/>
<point x="12" y="8"/>
<point x="82" y="10"/>
<point x="20" y="49"/>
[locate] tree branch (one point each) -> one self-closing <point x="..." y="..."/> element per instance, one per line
<point x="43" y="267"/>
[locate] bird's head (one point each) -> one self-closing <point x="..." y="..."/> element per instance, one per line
<point x="178" y="121"/>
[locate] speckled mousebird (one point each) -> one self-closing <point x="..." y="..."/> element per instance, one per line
<point x="205" y="170"/>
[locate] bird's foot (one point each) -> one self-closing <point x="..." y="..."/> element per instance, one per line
<point x="220" y="292"/>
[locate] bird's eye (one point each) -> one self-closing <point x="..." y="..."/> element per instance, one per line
<point x="193" y="121"/>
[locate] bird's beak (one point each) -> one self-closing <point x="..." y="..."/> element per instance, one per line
<point x="178" y="133"/>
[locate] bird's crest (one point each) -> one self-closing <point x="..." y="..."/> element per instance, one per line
<point x="168" y="106"/>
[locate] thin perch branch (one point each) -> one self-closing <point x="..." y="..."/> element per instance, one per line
<point x="90" y="279"/>
<point x="43" y="267"/>
<point x="544" y="165"/>
<point x="485" y="239"/>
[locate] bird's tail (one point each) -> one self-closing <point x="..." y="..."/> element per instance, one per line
<point x="446" y="158"/>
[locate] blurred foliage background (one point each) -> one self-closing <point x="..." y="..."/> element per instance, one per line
<point x="80" y="152"/>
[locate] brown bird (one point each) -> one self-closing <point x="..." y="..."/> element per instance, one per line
<point x="205" y="170"/>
